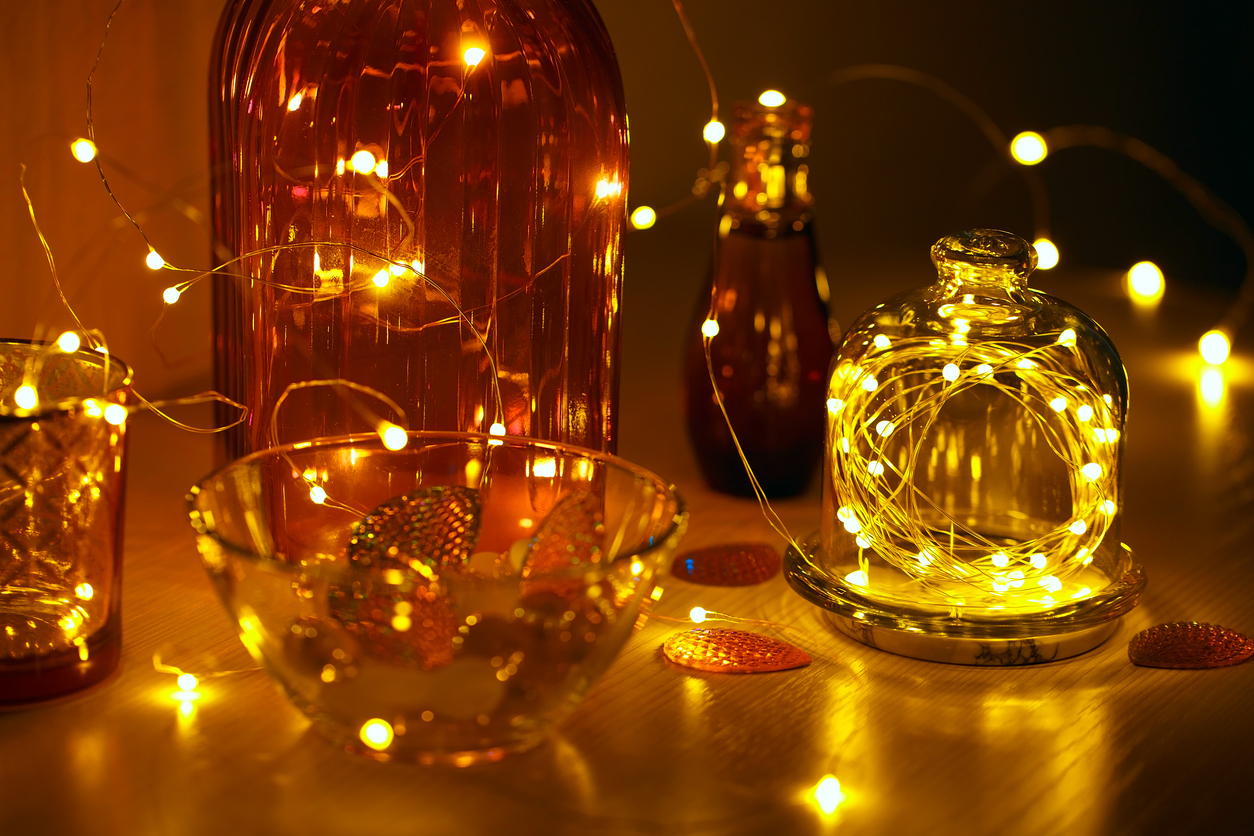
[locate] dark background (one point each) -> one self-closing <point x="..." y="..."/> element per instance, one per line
<point x="892" y="163"/>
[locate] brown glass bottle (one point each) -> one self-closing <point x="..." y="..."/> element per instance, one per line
<point x="426" y="197"/>
<point x="769" y="295"/>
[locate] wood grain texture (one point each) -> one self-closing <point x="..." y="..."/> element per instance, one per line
<point x="1091" y="745"/>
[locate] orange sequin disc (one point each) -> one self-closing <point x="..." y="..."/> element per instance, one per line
<point x="730" y="564"/>
<point x="1187" y="644"/>
<point x="733" y="651"/>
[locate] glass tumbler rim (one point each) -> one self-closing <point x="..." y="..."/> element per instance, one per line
<point x="62" y="405"/>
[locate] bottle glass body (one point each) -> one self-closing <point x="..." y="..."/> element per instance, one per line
<point x="424" y="198"/>
<point x="774" y="345"/>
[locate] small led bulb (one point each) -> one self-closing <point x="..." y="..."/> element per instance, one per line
<point x="1028" y="148"/>
<point x="84" y="150"/>
<point x="713" y="131"/>
<point x="644" y="217"/>
<point x="69" y="342"/>
<point x="1214" y="347"/>
<point x="154" y="260"/>
<point x="1046" y="254"/>
<point x="171" y="295"/>
<point x="771" y="98"/>
<point x="473" y="56"/>
<point x="363" y="161"/>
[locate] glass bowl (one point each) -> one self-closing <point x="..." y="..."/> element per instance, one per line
<point x="448" y="602"/>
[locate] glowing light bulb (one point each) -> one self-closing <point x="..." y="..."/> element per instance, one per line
<point x="1078" y="527"/>
<point x="1092" y="471"/>
<point x="473" y="56"/>
<point x="1067" y="337"/>
<point x="26" y="397"/>
<point x="828" y="795"/>
<point x="84" y="591"/>
<point x="984" y="370"/>
<point x="317" y="495"/>
<point x="1028" y="148"/>
<point x="835" y="405"/>
<point x="709" y="329"/>
<point x="154" y="260"/>
<point x="397" y="270"/>
<point x="1058" y="404"/>
<point x="644" y="217"/>
<point x="69" y="342"/>
<point x="1214" y="347"/>
<point x="381" y="170"/>
<point x="881" y="341"/>
<point x="171" y="295"/>
<point x="875" y="468"/>
<point x="857" y="578"/>
<point x="363" y="161"/>
<point x="1108" y="506"/>
<point x="1145" y="282"/>
<point x="950" y="372"/>
<point x="84" y="150"/>
<point x="377" y="734"/>
<point x="1084" y="413"/>
<point x="294" y="102"/>
<point x="884" y="428"/>
<point x="394" y="438"/>
<point x="187" y="682"/>
<point x="1038" y="561"/>
<point x="713" y="131"/>
<point x="115" y="414"/>
<point x="697" y="614"/>
<point x="1000" y="560"/>
<point x="382" y="278"/>
<point x="1046" y="254"/>
<point x="771" y="98"/>
<point x="870" y="384"/>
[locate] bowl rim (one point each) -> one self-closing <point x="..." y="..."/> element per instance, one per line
<point x="676" y="525"/>
<point x="111" y="394"/>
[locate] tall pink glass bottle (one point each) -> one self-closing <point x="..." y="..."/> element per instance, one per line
<point x="416" y="186"/>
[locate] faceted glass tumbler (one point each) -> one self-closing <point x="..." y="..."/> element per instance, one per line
<point x="973" y="489"/>
<point x="62" y="490"/>
<point x="449" y="602"/>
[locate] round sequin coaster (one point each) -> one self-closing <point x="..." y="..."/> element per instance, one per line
<point x="1187" y="644"/>
<point x="570" y="536"/>
<point x="733" y="651"/>
<point x="729" y="564"/>
<point x="399" y="611"/>
<point x="437" y="526"/>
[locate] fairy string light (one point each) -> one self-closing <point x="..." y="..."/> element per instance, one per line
<point x="882" y="410"/>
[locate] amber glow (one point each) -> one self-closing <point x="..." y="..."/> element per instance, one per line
<point x="473" y="56"/>
<point x="154" y="260"/>
<point x="771" y="98"/>
<point x="1210" y="386"/>
<point x="1214" y="347"/>
<point x="1046" y="254"/>
<point x="608" y="188"/>
<point x="1028" y="148"/>
<point x="697" y="614"/>
<point x="187" y="682"/>
<point x="84" y="150"/>
<point x="382" y="278"/>
<point x="709" y="329"/>
<point x="713" y="131"/>
<point x="171" y="295"/>
<point x="115" y="413"/>
<point x="317" y="495"/>
<point x="294" y="102"/>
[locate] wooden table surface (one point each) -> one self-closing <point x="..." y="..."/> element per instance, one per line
<point x="1091" y="745"/>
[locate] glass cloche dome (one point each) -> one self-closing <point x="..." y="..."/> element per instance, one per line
<point x="973" y="492"/>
